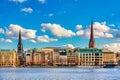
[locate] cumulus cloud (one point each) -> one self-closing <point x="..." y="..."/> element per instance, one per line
<point x="45" y="38"/>
<point x="13" y="31"/>
<point x="112" y="25"/>
<point x="5" y="40"/>
<point x="57" y="30"/>
<point x="42" y="1"/>
<point x="20" y="1"/>
<point x="27" y="10"/>
<point x="108" y="35"/>
<point x="102" y="27"/>
<point x="115" y="47"/>
<point x="69" y="46"/>
<point x="100" y="30"/>
<point x="2" y="31"/>
<point x="33" y="41"/>
<point x="80" y="33"/>
<point x="78" y="27"/>
<point x="8" y="41"/>
<point x="99" y="34"/>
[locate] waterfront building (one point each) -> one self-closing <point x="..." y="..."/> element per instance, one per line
<point x="89" y="57"/>
<point x="72" y="58"/>
<point x="92" y="41"/>
<point x="118" y="58"/>
<point x="42" y="56"/>
<point x="109" y="57"/>
<point x="35" y="56"/>
<point x="27" y="57"/>
<point x="8" y="58"/>
<point x="66" y="57"/>
<point x="63" y="57"/>
<point x="50" y="55"/>
<point x="56" y="57"/>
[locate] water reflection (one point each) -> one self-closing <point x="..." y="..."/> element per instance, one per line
<point x="59" y="74"/>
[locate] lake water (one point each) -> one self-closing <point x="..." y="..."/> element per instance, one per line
<point x="59" y="74"/>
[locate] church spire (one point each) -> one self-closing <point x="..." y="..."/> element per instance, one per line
<point x="92" y="41"/>
<point x="20" y="39"/>
<point x="20" y="46"/>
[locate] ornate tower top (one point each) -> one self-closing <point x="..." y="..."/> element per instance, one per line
<point x="20" y="46"/>
<point x="92" y="41"/>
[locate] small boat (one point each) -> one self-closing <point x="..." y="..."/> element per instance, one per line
<point x="109" y="66"/>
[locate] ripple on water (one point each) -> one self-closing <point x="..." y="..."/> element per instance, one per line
<point x="59" y="74"/>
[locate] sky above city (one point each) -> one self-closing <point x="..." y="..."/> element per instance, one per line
<point x="59" y="23"/>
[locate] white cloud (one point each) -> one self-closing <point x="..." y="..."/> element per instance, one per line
<point x="45" y="38"/>
<point x="101" y="27"/>
<point x="8" y="41"/>
<point x="42" y="1"/>
<point x="2" y="31"/>
<point x="78" y="27"/>
<point x="115" y="47"/>
<point x="57" y="30"/>
<point x="20" y="1"/>
<point x="69" y="46"/>
<point x="5" y="40"/>
<point x="103" y="23"/>
<point x="13" y="31"/>
<point x="27" y="10"/>
<point x="112" y="25"/>
<point x="100" y="30"/>
<point x="80" y="33"/>
<point x="108" y="35"/>
<point x="33" y="41"/>
<point x="99" y="34"/>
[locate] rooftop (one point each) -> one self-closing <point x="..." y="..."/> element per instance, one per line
<point x="87" y="50"/>
<point x="36" y="49"/>
<point x="106" y="50"/>
<point x="6" y="50"/>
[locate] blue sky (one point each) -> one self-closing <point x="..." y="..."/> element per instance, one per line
<point x="54" y="23"/>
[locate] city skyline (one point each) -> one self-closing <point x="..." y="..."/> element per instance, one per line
<point x="59" y="23"/>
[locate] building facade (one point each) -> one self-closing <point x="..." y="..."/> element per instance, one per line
<point x="56" y="57"/>
<point x="42" y="56"/>
<point x="8" y="58"/>
<point x="72" y="58"/>
<point x="109" y="58"/>
<point x="90" y="57"/>
<point x="118" y="58"/>
<point x="27" y="57"/>
<point x="63" y="57"/>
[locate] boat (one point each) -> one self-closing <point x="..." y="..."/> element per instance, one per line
<point x="109" y="66"/>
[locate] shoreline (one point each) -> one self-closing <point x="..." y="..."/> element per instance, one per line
<point x="61" y="67"/>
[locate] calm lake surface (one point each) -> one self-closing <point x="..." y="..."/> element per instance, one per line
<point x="59" y="74"/>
